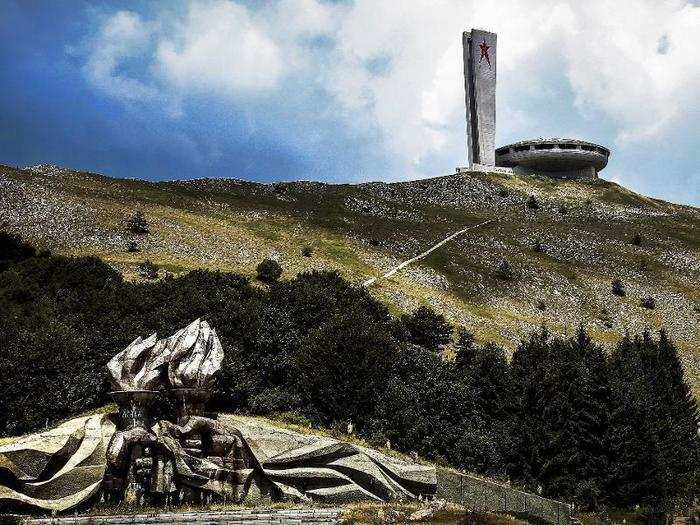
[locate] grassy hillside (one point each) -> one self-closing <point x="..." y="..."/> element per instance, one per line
<point x="586" y="230"/>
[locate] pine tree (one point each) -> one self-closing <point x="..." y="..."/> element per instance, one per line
<point x="528" y="370"/>
<point x="566" y="425"/>
<point x="681" y="446"/>
<point x="635" y="474"/>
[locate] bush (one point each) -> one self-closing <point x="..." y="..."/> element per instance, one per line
<point x="537" y="246"/>
<point x="504" y="271"/>
<point x="532" y="203"/>
<point x="13" y="249"/>
<point x="503" y="192"/>
<point x="563" y="210"/>
<point x="541" y="305"/>
<point x="307" y="251"/>
<point x="427" y="328"/>
<point x="148" y="270"/>
<point x="133" y="247"/>
<point x="618" y="288"/>
<point x="269" y="271"/>
<point x="637" y="239"/>
<point x="644" y="266"/>
<point x="137" y="223"/>
<point x="648" y="302"/>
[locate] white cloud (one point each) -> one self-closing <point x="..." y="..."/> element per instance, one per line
<point x="219" y="47"/>
<point x="615" y="66"/>
<point x="124" y="35"/>
<point x="629" y="63"/>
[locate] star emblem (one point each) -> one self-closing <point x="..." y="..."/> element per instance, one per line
<point x="485" y="53"/>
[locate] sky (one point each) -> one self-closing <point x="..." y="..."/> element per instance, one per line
<point x="344" y="91"/>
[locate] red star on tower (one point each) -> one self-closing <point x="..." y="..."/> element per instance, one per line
<point x="485" y="52"/>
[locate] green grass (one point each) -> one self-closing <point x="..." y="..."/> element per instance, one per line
<point x="232" y="225"/>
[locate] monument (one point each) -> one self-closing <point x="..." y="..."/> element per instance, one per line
<point x="559" y="158"/>
<point x="190" y="456"/>
<point x="479" y="53"/>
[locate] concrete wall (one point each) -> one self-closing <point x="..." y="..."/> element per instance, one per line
<point x="487" y="495"/>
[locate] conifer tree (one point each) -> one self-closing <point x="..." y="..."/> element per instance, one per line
<point x="528" y="370"/>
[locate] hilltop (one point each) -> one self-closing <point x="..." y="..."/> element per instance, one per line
<point x="586" y="230"/>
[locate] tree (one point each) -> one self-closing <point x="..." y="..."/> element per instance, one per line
<point x="148" y="270"/>
<point x="341" y="368"/>
<point x="13" y="249"/>
<point x="269" y="271"/>
<point x="648" y="302"/>
<point x="424" y="407"/>
<point x="618" y="288"/>
<point x="562" y="393"/>
<point x="484" y="372"/>
<point x="532" y="203"/>
<point x="637" y="239"/>
<point x="504" y="271"/>
<point x="427" y="328"/>
<point x="137" y="223"/>
<point x="655" y="446"/>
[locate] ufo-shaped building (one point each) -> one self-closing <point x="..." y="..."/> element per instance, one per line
<point x="563" y="158"/>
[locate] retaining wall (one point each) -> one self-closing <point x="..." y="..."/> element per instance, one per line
<point x="489" y="496"/>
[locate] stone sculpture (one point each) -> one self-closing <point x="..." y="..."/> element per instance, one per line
<point x="187" y="455"/>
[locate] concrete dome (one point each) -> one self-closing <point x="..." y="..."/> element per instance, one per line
<point x="559" y="156"/>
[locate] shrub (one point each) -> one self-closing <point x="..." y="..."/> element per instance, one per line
<point x="504" y="271"/>
<point x="541" y="305"/>
<point x="374" y="242"/>
<point x="538" y="246"/>
<point x="648" y="302"/>
<point x="269" y="271"/>
<point x="563" y="210"/>
<point x="618" y="288"/>
<point x="133" y="247"/>
<point x="427" y="328"/>
<point x="532" y="203"/>
<point x="644" y="265"/>
<point x="637" y="239"/>
<point x="503" y="192"/>
<point x="307" y="251"/>
<point x="13" y="249"/>
<point x="148" y="270"/>
<point x="137" y="223"/>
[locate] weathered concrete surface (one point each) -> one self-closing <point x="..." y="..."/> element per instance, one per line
<point x="479" y="52"/>
<point x="486" y="495"/>
<point x="137" y="367"/>
<point x="196" y="356"/>
<point x="326" y="469"/>
<point x="556" y="157"/>
<point x="260" y="517"/>
<point x="58" y="469"/>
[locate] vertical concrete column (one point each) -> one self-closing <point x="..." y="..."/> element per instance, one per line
<point x="479" y="53"/>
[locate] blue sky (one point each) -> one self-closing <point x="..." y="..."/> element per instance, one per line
<point x="343" y="91"/>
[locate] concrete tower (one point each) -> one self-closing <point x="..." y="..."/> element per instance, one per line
<point x="480" y="88"/>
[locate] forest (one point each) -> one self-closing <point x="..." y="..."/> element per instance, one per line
<point x="563" y="417"/>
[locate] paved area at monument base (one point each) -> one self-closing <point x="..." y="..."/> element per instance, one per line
<point x="260" y="517"/>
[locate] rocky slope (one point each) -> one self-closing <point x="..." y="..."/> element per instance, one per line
<point x="586" y="230"/>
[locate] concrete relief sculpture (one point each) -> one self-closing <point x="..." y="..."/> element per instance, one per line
<point x="190" y="455"/>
